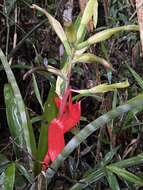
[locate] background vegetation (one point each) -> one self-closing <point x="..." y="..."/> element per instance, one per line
<point x="105" y="150"/>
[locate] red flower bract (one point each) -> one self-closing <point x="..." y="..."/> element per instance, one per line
<point x="65" y="121"/>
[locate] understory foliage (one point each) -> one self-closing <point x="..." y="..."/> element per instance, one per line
<point x="71" y="99"/>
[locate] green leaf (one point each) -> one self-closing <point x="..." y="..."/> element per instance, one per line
<point x="139" y="108"/>
<point x="37" y="93"/>
<point x="125" y="174"/>
<point x="95" y="14"/>
<point x="129" y="117"/>
<point x="89" y="179"/>
<point x="70" y="33"/>
<point x="36" y="119"/>
<point x="50" y="112"/>
<point x="91" y="58"/>
<point x="87" y="131"/>
<point x="87" y="15"/>
<point x="9" y="177"/>
<point x="57" y="28"/>
<point x="13" y="118"/>
<point x="98" y="98"/>
<point x="102" y="88"/>
<point x="27" y="130"/>
<point x="130" y="161"/>
<point x="77" y="24"/>
<point x="108" y="157"/>
<point x="24" y="173"/>
<point x="106" y="34"/>
<point x="112" y="180"/>
<point x="136" y="76"/>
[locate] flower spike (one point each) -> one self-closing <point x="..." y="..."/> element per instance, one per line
<point x="68" y="117"/>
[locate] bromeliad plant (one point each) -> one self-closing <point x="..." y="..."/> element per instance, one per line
<point x="51" y="152"/>
<point x="75" y="48"/>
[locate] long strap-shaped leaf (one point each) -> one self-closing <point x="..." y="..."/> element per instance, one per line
<point x="106" y="34"/>
<point x="57" y="27"/>
<point x="91" y="58"/>
<point x="90" y="9"/>
<point x="126" y="175"/>
<point x="19" y="101"/>
<point x="87" y="131"/>
<point x="13" y="118"/>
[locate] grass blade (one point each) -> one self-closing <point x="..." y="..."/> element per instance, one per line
<point x="108" y="157"/>
<point x="94" y="175"/>
<point x="92" y="178"/>
<point x="36" y="90"/>
<point x="9" y="177"/>
<point x="112" y="180"/>
<point x="130" y="161"/>
<point x="138" y="79"/>
<point x="126" y="175"/>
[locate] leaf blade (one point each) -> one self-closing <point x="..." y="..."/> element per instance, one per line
<point x="106" y="34"/>
<point x="21" y="107"/>
<point x="138" y="79"/>
<point x="57" y="28"/>
<point x="37" y="93"/>
<point x="112" y="180"/>
<point x="87" y="15"/>
<point x="102" y="88"/>
<point x="9" y="177"/>
<point x="91" y="58"/>
<point x="126" y="175"/>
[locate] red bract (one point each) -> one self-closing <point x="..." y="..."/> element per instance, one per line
<point x="65" y="121"/>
